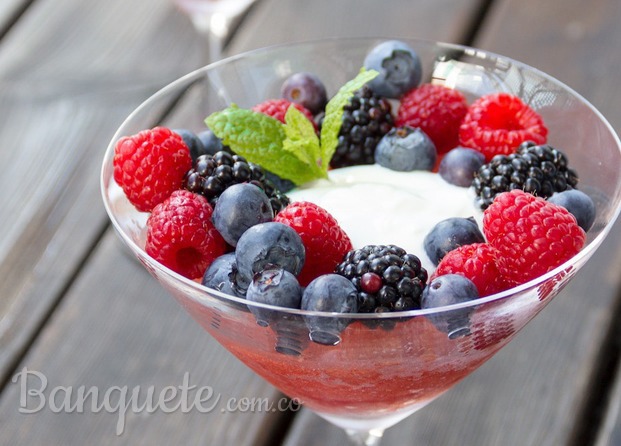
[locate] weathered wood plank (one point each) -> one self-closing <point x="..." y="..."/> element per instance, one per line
<point x="610" y="433"/>
<point x="118" y="327"/>
<point x="299" y="20"/>
<point x="70" y="72"/>
<point x="531" y="393"/>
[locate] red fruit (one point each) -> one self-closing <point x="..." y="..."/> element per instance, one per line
<point x="437" y="110"/>
<point x="150" y="165"/>
<point x="324" y="240"/>
<point x="180" y="234"/>
<point x="277" y="108"/>
<point x="531" y="235"/>
<point x="476" y="262"/>
<point x="498" y="123"/>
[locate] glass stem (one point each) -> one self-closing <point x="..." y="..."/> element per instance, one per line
<point x="213" y="28"/>
<point x="372" y="437"/>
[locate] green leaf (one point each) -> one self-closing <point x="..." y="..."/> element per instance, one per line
<point x="334" y="112"/>
<point x="291" y="150"/>
<point x="301" y="140"/>
<point x="246" y="131"/>
<point x="259" y="138"/>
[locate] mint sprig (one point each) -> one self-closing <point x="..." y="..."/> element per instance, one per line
<point x="291" y="150"/>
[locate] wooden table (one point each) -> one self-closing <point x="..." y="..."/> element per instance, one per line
<point x="76" y="311"/>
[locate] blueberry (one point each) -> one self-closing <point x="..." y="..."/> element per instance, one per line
<point x="305" y="89"/>
<point x="405" y="149"/>
<point x="331" y="293"/>
<point x="211" y="143"/>
<point x="450" y="234"/>
<point x="193" y="142"/>
<point x="450" y="289"/>
<point x="399" y="68"/>
<point x="268" y="243"/>
<point x="579" y="204"/>
<point x="459" y="165"/>
<point x="273" y="286"/>
<point x="221" y="275"/>
<point x="239" y="207"/>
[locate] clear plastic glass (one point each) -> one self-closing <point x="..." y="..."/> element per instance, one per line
<point x="212" y="20"/>
<point x="383" y="367"/>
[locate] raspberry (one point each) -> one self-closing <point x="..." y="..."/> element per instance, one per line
<point x="150" y="165"/>
<point x="531" y="235"/>
<point x="498" y="123"/>
<point x="476" y="262"/>
<point x="437" y="110"/>
<point x="277" y="108"/>
<point x="180" y="234"/>
<point x="324" y="240"/>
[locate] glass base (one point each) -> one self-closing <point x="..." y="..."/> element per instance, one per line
<point x="371" y="437"/>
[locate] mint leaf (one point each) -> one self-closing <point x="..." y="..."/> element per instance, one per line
<point x="246" y="131"/>
<point x="301" y="140"/>
<point x="334" y="112"/>
<point x="291" y="150"/>
<point x="259" y="138"/>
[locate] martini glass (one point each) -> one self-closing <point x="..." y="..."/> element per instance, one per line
<point x="382" y="367"/>
<point x="213" y="19"/>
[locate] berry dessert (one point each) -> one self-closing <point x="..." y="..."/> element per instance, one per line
<point x="372" y="245"/>
<point x="338" y="204"/>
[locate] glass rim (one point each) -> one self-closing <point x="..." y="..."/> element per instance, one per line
<point x="196" y="74"/>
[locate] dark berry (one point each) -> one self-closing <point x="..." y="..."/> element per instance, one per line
<point x="221" y="275"/>
<point x="270" y="243"/>
<point x="449" y="234"/>
<point x="579" y="204"/>
<point x="211" y="143"/>
<point x="328" y="293"/>
<point x="305" y="89"/>
<point x="213" y="174"/>
<point x="383" y="276"/>
<point x="450" y="289"/>
<point x="239" y="207"/>
<point x="398" y="65"/>
<point x="405" y="149"/>
<point x="366" y="119"/>
<point x="279" y="183"/>
<point x="273" y="286"/>
<point x="193" y="142"/>
<point x="459" y="165"/>
<point x="539" y="170"/>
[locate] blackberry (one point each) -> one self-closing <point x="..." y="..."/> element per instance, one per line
<point x="212" y="174"/>
<point x="366" y="118"/>
<point x="386" y="278"/>
<point x="540" y="170"/>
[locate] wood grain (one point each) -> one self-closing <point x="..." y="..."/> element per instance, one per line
<point x="62" y="95"/>
<point x="282" y="21"/>
<point x="610" y="433"/>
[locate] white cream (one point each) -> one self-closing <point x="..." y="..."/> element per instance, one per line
<point x="375" y="205"/>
